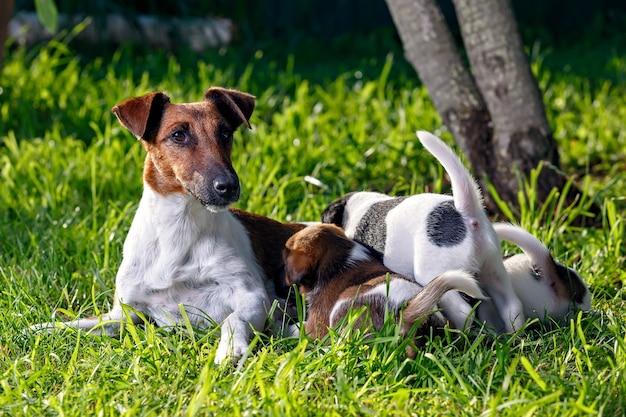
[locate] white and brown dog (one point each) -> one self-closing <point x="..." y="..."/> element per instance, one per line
<point x="550" y="291"/>
<point x="337" y="274"/>
<point x="424" y="235"/>
<point x="186" y="253"/>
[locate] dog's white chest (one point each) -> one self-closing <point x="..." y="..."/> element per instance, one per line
<point x="177" y="253"/>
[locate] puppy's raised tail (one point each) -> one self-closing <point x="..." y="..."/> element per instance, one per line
<point x="467" y="196"/>
<point x="425" y="302"/>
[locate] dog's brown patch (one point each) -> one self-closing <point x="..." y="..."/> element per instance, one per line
<point x="317" y="261"/>
<point x="189" y="145"/>
<point x="268" y="239"/>
<point x="310" y="258"/>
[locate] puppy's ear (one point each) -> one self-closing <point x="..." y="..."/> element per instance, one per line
<point x="300" y="270"/>
<point x="573" y="285"/>
<point x="335" y="211"/>
<point x="142" y="115"/>
<point x="235" y="106"/>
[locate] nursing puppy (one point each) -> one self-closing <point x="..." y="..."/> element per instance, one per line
<point x="549" y="290"/>
<point x="424" y="235"/>
<point x="186" y="254"/>
<point x="336" y="274"/>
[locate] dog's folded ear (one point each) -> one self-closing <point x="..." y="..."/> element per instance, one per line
<point x="299" y="270"/>
<point x="235" y="106"/>
<point x="142" y="115"/>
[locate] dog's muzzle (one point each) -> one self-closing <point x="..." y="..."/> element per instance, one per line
<point x="217" y="194"/>
<point x="226" y="188"/>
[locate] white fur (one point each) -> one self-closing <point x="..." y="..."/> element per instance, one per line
<point x="178" y="253"/>
<point x="409" y="252"/>
<point x="397" y="291"/>
<point x="400" y="291"/>
<point x="361" y="202"/>
<point x="538" y="298"/>
<point x="358" y="253"/>
<point x="532" y="274"/>
<point x="461" y="281"/>
<point x="527" y="242"/>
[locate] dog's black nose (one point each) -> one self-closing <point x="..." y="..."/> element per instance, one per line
<point x="227" y="187"/>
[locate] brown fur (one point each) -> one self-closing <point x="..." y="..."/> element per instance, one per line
<point x="268" y="239"/>
<point x="316" y="260"/>
<point x="189" y="145"/>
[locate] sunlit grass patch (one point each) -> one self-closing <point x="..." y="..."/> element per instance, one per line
<point x="71" y="180"/>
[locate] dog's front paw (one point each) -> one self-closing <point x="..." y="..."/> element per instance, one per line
<point x="230" y="349"/>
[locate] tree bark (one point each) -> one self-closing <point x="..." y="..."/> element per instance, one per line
<point x="431" y="50"/>
<point x="6" y="11"/>
<point x="497" y="115"/>
<point x="522" y="137"/>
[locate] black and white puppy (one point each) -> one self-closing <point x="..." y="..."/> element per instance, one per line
<point x="337" y="274"/>
<point x="549" y="291"/>
<point x="424" y="235"/>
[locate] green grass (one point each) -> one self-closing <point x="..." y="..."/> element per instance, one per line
<point x="71" y="180"/>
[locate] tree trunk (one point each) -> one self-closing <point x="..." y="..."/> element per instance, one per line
<point x="430" y="48"/>
<point x="497" y="116"/>
<point x="522" y="137"/>
<point x="6" y="11"/>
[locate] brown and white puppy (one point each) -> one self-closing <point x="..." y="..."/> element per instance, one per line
<point x="337" y="274"/>
<point x="550" y="291"/>
<point x="187" y="254"/>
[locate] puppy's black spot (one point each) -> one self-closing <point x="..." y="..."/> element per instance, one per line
<point x="372" y="228"/>
<point x="445" y="226"/>
<point x="333" y="214"/>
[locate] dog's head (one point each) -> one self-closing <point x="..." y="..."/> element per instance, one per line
<point x="189" y="145"/>
<point x="334" y="213"/>
<point x="313" y="255"/>
<point x="547" y="289"/>
<point x="348" y="210"/>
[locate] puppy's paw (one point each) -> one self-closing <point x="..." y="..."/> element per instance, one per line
<point x="230" y="349"/>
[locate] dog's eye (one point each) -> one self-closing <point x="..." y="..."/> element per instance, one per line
<point x="535" y="270"/>
<point x="179" y="136"/>
<point x="225" y="134"/>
